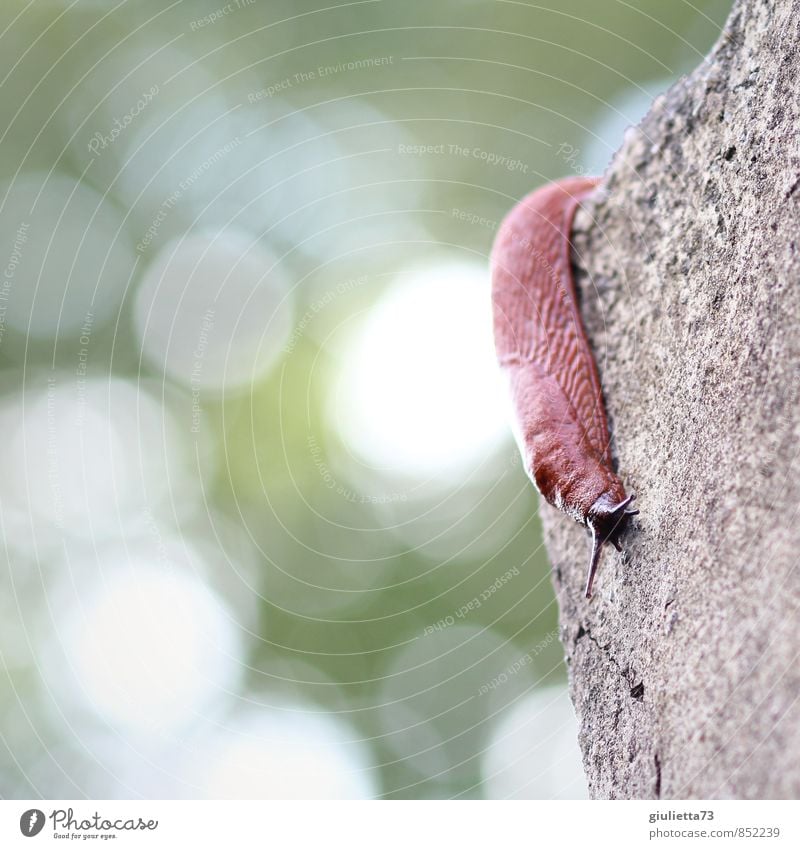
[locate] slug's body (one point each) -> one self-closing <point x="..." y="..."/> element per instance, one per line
<point x="541" y="344"/>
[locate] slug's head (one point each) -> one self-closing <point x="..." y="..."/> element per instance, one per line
<point x="607" y="521"/>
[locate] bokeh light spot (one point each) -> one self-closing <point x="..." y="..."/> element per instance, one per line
<point x="419" y="393"/>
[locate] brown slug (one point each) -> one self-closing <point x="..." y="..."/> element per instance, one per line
<point x="559" y="413"/>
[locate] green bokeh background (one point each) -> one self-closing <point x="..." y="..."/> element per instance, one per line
<point x="334" y="609"/>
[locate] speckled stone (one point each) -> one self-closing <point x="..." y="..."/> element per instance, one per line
<point x="684" y="667"/>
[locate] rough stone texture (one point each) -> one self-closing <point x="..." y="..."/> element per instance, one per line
<point x="684" y="666"/>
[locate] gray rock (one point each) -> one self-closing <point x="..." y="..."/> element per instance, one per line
<point x="684" y="667"/>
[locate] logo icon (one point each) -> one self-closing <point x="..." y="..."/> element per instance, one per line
<point x="31" y="822"/>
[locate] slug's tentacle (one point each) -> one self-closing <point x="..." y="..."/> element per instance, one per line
<point x="607" y="527"/>
<point x="594" y="560"/>
<point x="560" y="418"/>
<point x="604" y="530"/>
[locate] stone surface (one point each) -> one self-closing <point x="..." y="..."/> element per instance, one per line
<point x="684" y="667"/>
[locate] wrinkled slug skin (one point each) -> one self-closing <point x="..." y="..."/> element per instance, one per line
<point x="560" y="420"/>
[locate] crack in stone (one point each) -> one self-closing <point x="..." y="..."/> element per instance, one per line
<point x="626" y="672"/>
<point x="658" y="775"/>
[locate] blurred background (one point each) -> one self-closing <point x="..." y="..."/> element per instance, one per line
<point x="264" y="529"/>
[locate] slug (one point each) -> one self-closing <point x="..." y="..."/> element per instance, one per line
<point x="559" y="416"/>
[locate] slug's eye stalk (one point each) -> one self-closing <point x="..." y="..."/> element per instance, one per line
<point x="607" y="523"/>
